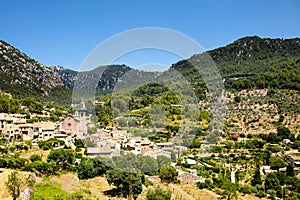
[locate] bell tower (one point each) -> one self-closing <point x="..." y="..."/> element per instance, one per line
<point x="82" y="110"/>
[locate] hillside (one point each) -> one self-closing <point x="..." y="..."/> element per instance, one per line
<point x="23" y="76"/>
<point x="252" y="62"/>
<point x="102" y="80"/>
<point x="67" y="76"/>
<point x="262" y="82"/>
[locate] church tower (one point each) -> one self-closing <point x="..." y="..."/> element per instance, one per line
<point x="83" y="119"/>
<point x="82" y="110"/>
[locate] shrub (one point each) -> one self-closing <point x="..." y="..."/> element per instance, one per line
<point x="35" y="157"/>
<point x="260" y="194"/>
<point x="247" y="189"/>
<point x="158" y="193"/>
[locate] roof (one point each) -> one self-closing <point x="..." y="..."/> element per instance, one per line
<point x="57" y="135"/>
<point x="98" y="150"/>
<point x="164" y="143"/>
<point x="295" y="157"/>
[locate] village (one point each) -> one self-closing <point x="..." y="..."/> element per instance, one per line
<point x="105" y="142"/>
<point x="113" y="142"/>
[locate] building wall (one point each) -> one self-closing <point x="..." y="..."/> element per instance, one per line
<point x="69" y="124"/>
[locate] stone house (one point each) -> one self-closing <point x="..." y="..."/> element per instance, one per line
<point x="188" y="178"/>
<point x="293" y="160"/>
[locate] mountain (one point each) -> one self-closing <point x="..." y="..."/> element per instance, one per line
<point x="67" y="76"/>
<point x="23" y="76"/>
<point x="101" y="80"/>
<point x="262" y="81"/>
<point x="249" y="62"/>
<point x="252" y="62"/>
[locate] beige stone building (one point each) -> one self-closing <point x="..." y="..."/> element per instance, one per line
<point x="76" y="125"/>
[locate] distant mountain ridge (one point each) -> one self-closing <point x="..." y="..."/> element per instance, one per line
<point x="67" y="76"/>
<point x="249" y="62"/>
<point x="21" y="75"/>
<point x="252" y="62"/>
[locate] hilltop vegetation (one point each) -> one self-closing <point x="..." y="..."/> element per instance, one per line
<point x="252" y="62"/>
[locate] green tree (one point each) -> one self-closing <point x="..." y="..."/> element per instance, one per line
<point x="104" y="115"/>
<point x="272" y="183"/>
<point x="85" y="169"/>
<point x="158" y="194"/>
<point x="163" y="161"/>
<point x="237" y="99"/>
<point x="32" y="105"/>
<point x="168" y="174"/>
<point x="277" y="162"/>
<point x="128" y="184"/>
<point x="42" y="167"/>
<point x="147" y="165"/>
<point x="283" y="132"/>
<point x="79" y="143"/>
<point x="63" y="158"/>
<point x="290" y="170"/>
<point x="296" y="144"/>
<point x="92" y="167"/>
<point x="256" y="180"/>
<point x="8" y="104"/>
<point x="272" y="138"/>
<point x="230" y="190"/>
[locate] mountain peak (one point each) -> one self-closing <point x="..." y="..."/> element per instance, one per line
<point x="17" y="70"/>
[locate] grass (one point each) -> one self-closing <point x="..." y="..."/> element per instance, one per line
<point x="51" y="191"/>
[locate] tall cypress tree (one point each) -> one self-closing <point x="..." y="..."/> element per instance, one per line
<point x="256" y="177"/>
<point x="290" y="170"/>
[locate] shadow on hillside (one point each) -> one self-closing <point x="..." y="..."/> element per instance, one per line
<point x="112" y="193"/>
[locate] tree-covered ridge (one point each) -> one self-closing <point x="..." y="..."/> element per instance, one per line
<point x="252" y="62"/>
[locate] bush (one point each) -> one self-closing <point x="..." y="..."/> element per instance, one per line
<point x="35" y="157"/>
<point x="207" y="184"/>
<point x="260" y="194"/>
<point x="41" y="167"/>
<point x="49" y="144"/>
<point x="247" y="189"/>
<point x="158" y="193"/>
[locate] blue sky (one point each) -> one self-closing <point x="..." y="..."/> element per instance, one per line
<point x="63" y="32"/>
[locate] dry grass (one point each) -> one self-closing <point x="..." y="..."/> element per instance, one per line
<point x="95" y="188"/>
<point x="91" y="188"/>
<point x="4" y="194"/>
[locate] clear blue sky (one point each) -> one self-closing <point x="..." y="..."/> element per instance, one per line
<point x="63" y="32"/>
